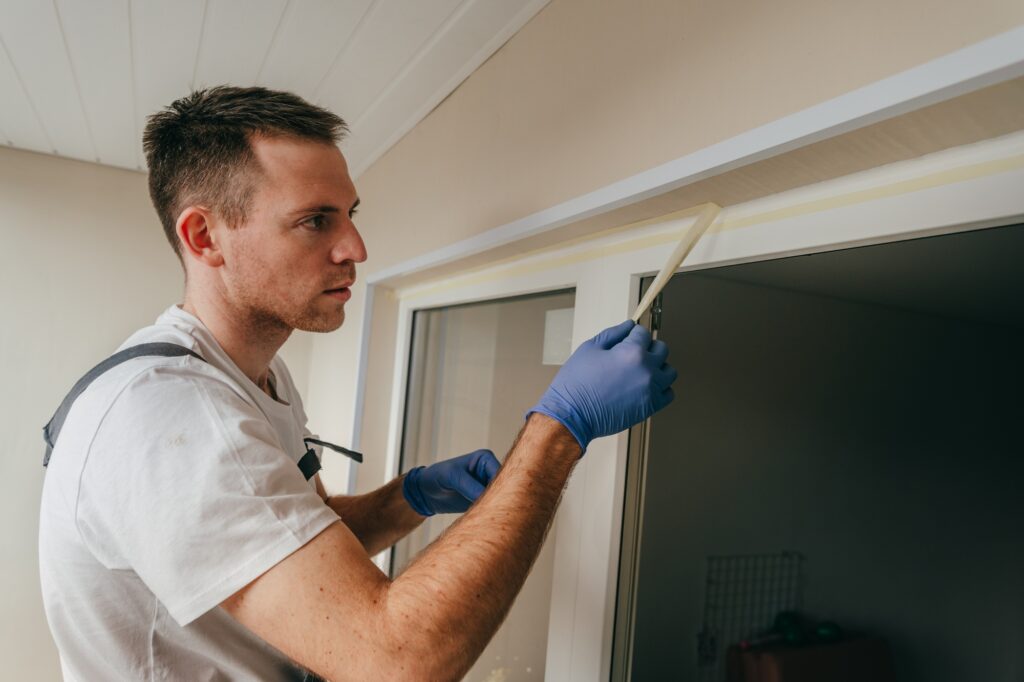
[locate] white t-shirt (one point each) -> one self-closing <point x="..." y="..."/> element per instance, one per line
<point x="173" y="484"/>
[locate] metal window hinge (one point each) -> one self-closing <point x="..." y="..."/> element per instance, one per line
<point x="656" y="314"/>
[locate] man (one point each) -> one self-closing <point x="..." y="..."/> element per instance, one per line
<point x="178" y="537"/>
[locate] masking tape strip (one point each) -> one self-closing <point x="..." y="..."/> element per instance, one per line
<point x="516" y="268"/>
<point x="945" y="177"/>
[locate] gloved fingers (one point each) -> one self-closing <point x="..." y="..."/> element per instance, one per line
<point x="462" y="482"/>
<point x="659" y="349"/>
<point x="640" y="336"/>
<point x="611" y="336"/>
<point x="664" y="398"/>
<point x="486" y="466"/>
<point x="664" y="377"/>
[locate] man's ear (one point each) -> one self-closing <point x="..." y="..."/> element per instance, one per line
<point x="196" y="234"/>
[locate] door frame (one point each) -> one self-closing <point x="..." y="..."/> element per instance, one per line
<point x="960" y="189"/>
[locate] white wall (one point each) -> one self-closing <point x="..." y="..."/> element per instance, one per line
<point x="83" y="264"/>
<point x="881" y="444"/>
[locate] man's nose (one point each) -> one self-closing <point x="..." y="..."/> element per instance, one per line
<point x="349" y="246"/>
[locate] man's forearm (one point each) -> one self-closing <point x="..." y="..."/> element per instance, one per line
<point x="379" y="518"/>
<point x="449" y="602"/>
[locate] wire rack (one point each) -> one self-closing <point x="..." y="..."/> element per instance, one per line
<point x="742" y="595"/>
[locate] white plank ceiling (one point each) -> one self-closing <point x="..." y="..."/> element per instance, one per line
<point x="79" y="77"/>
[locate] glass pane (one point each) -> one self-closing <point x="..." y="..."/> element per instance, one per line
<point x="836" y="488"/>
<point x="474" y="371"/>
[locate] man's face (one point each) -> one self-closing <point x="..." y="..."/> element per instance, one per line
<point x="293" y="260"/>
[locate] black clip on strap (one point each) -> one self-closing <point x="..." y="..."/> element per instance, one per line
<point x="310" y="463"/>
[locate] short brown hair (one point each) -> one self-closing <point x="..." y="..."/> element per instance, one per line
<point x="198" y="148"/>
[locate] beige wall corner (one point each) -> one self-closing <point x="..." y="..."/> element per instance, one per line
<point x="376" y="405"/>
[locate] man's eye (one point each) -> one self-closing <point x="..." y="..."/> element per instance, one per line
<point x="316" y="222"/>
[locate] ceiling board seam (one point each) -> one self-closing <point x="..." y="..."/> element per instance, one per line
<point x="273" y="41"/>
<point x="344" y="48"/>
<point x="28" y="96"/>
<point x="417" y="57"/>
<point x="74" y="78"/>
<point x="199" y="47"/>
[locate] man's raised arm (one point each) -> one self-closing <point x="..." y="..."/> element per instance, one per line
<point x="331" y="610"/>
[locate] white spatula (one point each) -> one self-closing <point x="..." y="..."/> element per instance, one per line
<point x="708" y="213"/>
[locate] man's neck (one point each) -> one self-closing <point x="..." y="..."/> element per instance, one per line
<point x="251" y="344"/>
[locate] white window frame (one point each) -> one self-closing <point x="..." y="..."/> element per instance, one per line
<point x="955" y="190"/>
<point x="966" y="188"/>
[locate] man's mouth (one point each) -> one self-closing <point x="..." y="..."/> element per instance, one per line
<point x="342" y="292"/>
<point x="341" y="287"/>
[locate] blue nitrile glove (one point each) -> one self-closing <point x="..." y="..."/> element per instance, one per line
<point x="613" y="381"/>
<point x="451" y="485"/>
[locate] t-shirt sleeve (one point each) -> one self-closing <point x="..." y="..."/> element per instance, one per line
<point x="185" y="484"/>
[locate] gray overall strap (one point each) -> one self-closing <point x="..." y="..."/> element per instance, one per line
<point x="52" y="429"/>
<point x="309" y="463"/>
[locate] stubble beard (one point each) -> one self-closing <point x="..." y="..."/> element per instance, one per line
<point x="286" y="318"/>
<point x="268" y="319"/>
<point x="317" y="323"/>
